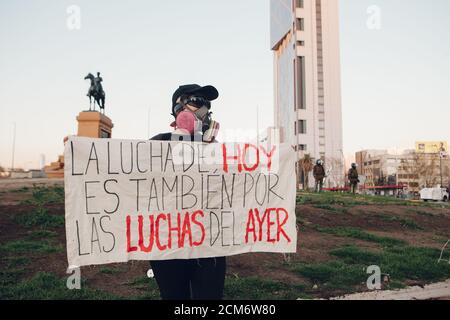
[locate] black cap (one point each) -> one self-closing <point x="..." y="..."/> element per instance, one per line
<point x="208" y="92"/>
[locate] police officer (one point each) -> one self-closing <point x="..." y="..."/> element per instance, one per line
<point x="353" y="177"/>
<point x="319" y="175"/>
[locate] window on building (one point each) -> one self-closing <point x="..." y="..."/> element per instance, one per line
<point x="301" y="126"/>
<point x="300" y="84"/>
<point x="300" y="24"/>
<point x="302" y="147"/>
<point x="295" y="127"/>
<point x="295" y="86"/>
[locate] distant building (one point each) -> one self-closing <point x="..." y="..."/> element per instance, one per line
<point x="413" y="169"/>
<point x="30" y="174"/>
<point x="305" y="41"/>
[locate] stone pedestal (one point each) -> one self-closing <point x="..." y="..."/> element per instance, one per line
<point x="91" y="124"/>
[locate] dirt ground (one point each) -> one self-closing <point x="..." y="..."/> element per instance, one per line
<point x="431" y="229"/>
<point x="24" y="186"/>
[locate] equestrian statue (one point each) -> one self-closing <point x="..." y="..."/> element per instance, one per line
<point x="96" y="91"/>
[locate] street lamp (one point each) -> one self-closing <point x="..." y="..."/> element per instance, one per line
<point x="442" y="154"/>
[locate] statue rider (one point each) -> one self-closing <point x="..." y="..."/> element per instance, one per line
<point x="98" y="83"/>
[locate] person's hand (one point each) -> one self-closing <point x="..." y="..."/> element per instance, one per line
<point x="66" y="138"/>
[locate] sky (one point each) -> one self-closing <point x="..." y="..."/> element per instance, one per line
<point x="395" y="78"/>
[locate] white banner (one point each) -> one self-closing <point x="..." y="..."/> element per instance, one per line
<point x="158" y="200"/>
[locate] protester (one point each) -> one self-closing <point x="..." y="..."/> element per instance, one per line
<point x="353" y="177"/>
<point x="199" y="279"/>
<point x="319" y="175"/>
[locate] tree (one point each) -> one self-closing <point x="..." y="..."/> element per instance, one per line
<point x="430" y="171"/>
<point x="334" y="169"/>
<point x="422" y="170"/>
<point x="306" y="166"/>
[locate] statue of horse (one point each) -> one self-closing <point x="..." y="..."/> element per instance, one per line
<point x="96" y="91"/>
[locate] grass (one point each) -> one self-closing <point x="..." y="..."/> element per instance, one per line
<point x="29" y="246"/>
<point x="404" y="222"/>
<point x="349" y="200"/>
<point x="345" y="273"/>
<point x="148" y="286"/>
<point x="333" y="274"/>
<point x="41" y="196"/>
<point x="354" y="255"/>
<point x="328" y="207"/>
<point x="253" y="288"/>
<point x="326" y="198"/>
<point x="356" y="233"/>
<point x="41" y="234"/>
<point x="400" y="263"/>
<point x="15" y="255"/>
<point x="20" y="190"/>
<point x="40" y="219"/>
<point x="108" y="270"/>
<point x="10" y="277"/>
<point x="395" y="257"/>
<point x="13" y="262"/>
<point x="421" y="213"/>
<point x="46" y="286"/>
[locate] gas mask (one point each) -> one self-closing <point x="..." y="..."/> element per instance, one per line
<point x="187" y="120"/>
<point x="197" y="122"/>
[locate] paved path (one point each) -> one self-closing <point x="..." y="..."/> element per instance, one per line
<point x="436" y="291"/>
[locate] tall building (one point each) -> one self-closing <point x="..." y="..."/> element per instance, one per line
<point x="307" y="84"/>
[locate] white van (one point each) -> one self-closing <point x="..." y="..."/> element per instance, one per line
<point x="434" y="194"/>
